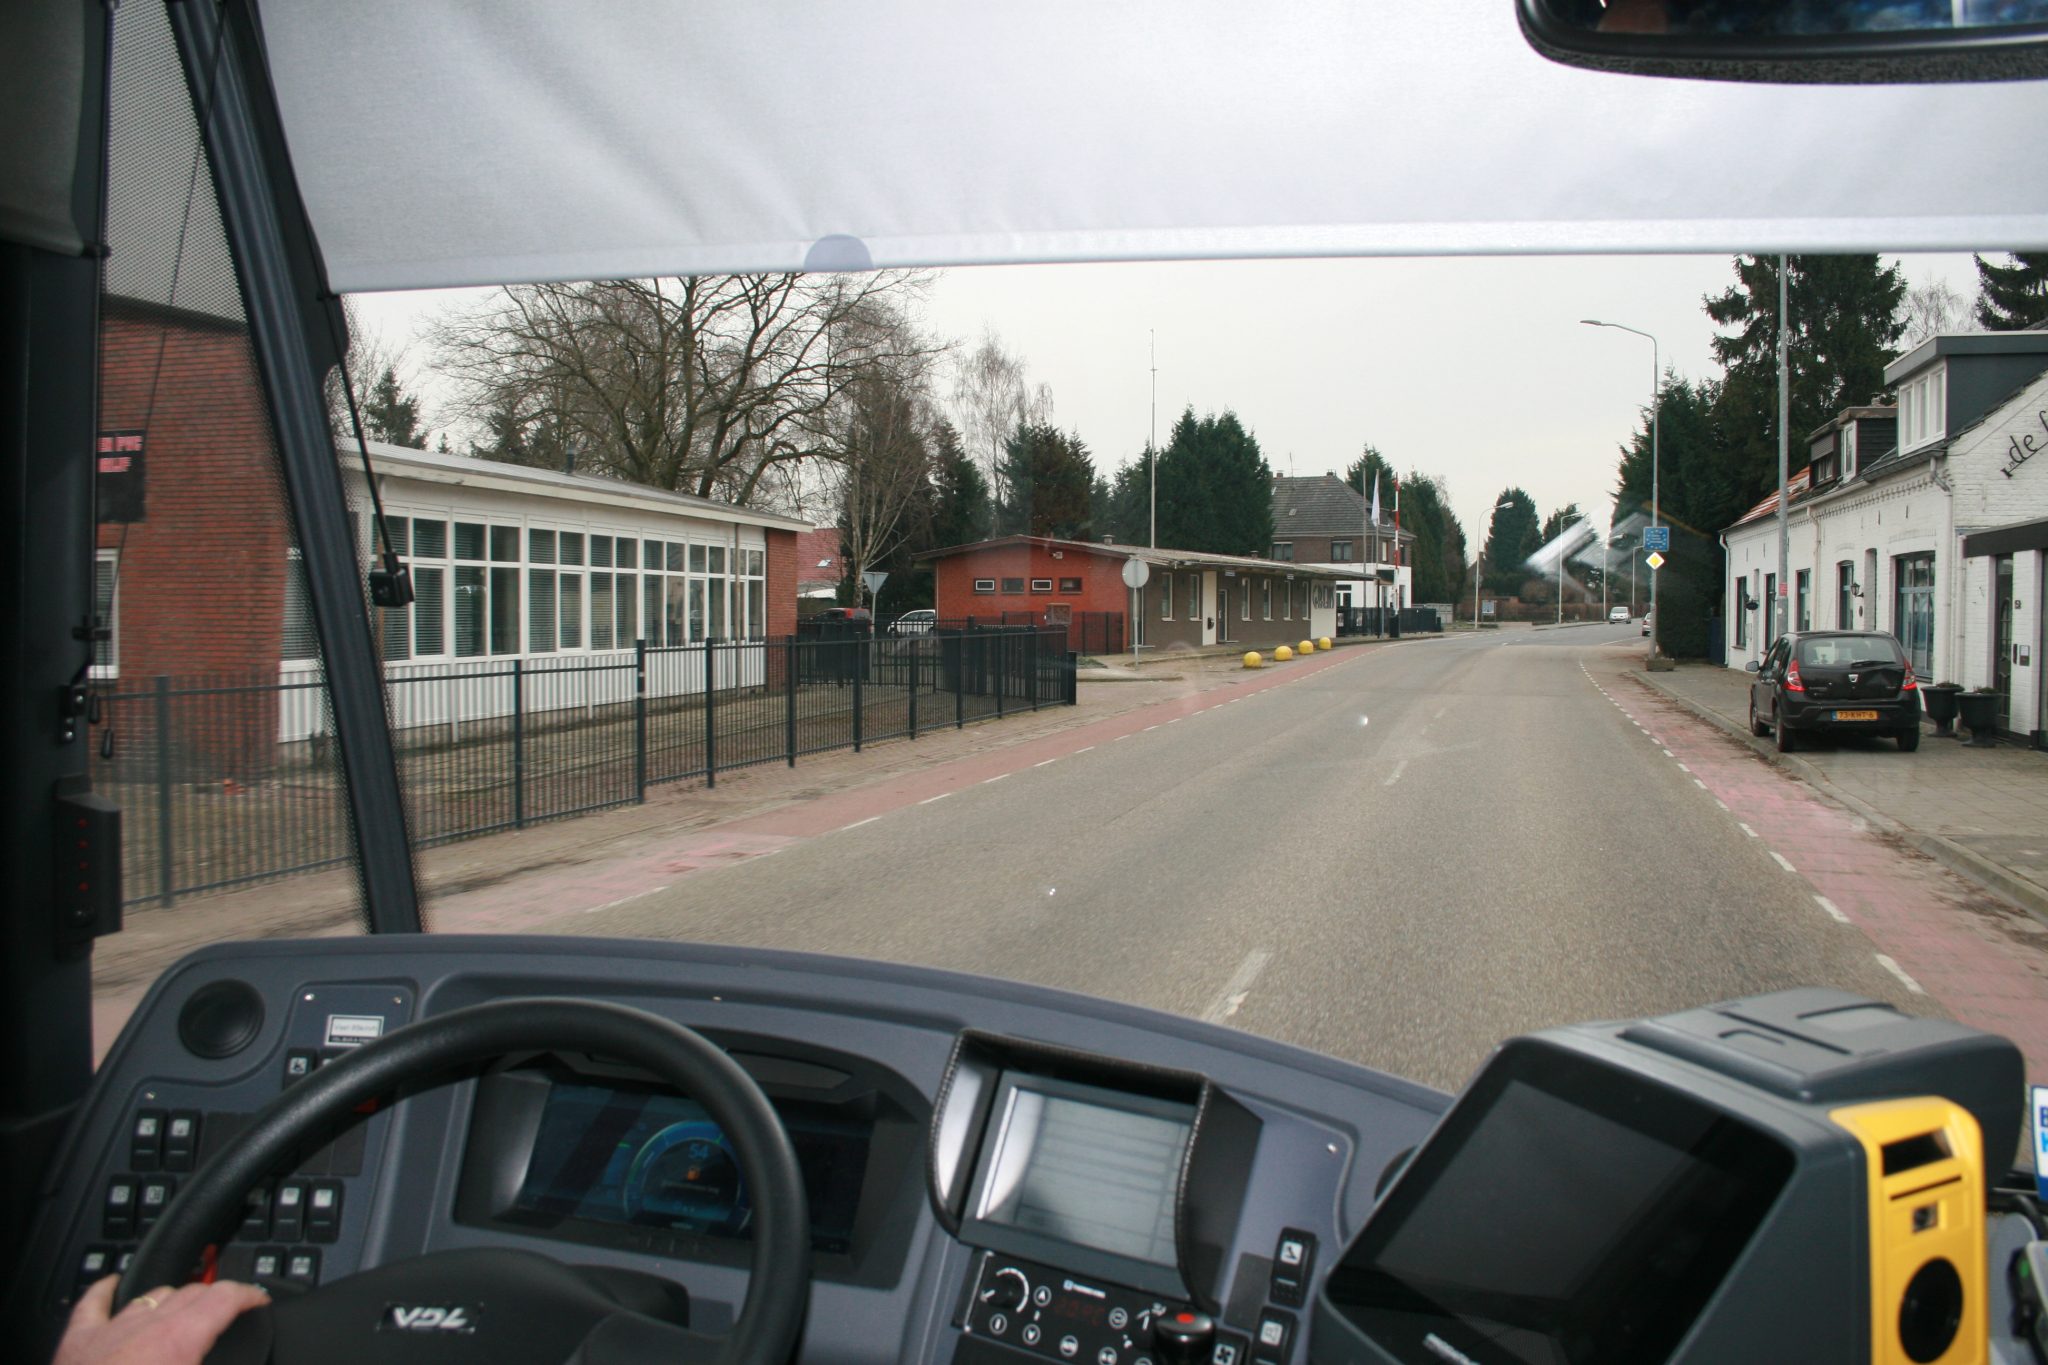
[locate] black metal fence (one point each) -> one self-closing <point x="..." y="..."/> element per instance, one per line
<point x="1388" y="621"/>
<point x="232" y="780"/>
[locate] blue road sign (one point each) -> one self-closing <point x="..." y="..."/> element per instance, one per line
<point x="1656" y="537"/>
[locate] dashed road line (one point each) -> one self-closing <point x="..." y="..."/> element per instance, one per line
<point x="1900" y="972"/>
<point x="637" y="895"/>
<point x="929" y="799"/>
<point x="1780" y="859"/>
<point x="1395" y="776"/>
<point x="1084" y="748"/>
<point x="1048" y="763"/>
<point x="1833" y="910"/>
<point x="997" y="778"/>
<point x="1745" y="829"/>
<point x="1232" y="997"/>
<point x="858" y="823"/>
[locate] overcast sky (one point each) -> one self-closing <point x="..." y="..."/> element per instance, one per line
<point x="1473" y="369"/>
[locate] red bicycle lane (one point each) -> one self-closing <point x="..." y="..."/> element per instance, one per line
<point x="1984" y="961"/>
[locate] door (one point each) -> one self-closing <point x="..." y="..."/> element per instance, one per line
<point x="2002" y="637"/>
<point x="1763" y="689"/>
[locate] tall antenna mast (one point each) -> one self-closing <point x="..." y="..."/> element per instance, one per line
<point x="1152" y="441"/>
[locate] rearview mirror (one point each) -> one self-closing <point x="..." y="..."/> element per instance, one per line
<point x="1796" y="41"/>
<point x="1753" y="666"/>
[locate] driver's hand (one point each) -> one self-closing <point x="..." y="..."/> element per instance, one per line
<point x="164" y="1327"/>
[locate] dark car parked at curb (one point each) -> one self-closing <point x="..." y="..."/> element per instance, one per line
<point x="1840" y="681"/>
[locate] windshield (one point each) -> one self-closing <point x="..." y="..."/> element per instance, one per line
<point x="1267" y="642"/>
<point x="1847" y="651"/>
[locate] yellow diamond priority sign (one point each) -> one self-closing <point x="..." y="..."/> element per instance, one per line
<point x="1655" y="560"/>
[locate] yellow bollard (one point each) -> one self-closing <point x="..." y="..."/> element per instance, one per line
<point x="1305" y="647"/>
<point x="1282" y="655"/>
<point x="1252" y="660"/>
<point x="1323" y="643"/>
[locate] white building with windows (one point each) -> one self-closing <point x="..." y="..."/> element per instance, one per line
<point x="1927" y="519"/>
<point x="566" y="573"/>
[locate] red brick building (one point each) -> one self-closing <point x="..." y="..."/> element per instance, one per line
<point x="1191" y="599"/>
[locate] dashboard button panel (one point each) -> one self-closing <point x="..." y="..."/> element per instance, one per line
<point x="1052" y="1315"/>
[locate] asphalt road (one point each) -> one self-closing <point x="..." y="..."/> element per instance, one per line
<point x="1400" y="859"/>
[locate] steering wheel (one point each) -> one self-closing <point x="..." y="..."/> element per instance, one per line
<point x="516" y="1306"/>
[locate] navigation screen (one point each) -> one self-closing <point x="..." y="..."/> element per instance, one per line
<point x="638" y="1156"/>
<point x="1099" y="1175"/>
<point x="1544" y="1231"/>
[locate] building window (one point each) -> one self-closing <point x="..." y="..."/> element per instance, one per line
<point x="1194" y="596"/>
<point x="1166" y="597"/>
<point x="984" y="585"/>
<point x="1244" y="599"/>
<point x="1304" y="601"/>
<point x="1802" y="595"/>
<point x="1265" y="599"/>
<point x="300" y="642"/>
<point x="1340" y="551"/>
<point x="1041" y="585"/>
<point x="1913" y="609"/>
<point x="106" y="611"/>
<point x="1283" y="550"/>
<point x="1741" y="611"/>
<point x="1845" y="595"/>
<point x="1287" y="601"/>
<point x="1013" y="585"/>
<point x="1070" y="585"/>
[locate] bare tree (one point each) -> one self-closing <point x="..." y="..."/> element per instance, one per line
<point x="707" y="385"/>
<point x="1933" y="308"/>
<point x="370" y="359"/>
<point x="883" y="447"/>
<point x="992" y="398"/>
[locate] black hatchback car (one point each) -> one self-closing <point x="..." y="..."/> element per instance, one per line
<point x="1846" y="681"/>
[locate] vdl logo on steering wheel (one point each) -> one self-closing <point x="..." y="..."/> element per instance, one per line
<point x="425" y="1318"/>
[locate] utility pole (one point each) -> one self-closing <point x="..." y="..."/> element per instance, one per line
<point x="1784" y="445"/>
<point x="1152" y="442"/>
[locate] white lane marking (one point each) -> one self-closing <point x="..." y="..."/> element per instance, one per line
<point x="858" y="823"/>
<point x="1779" y="858"/>
<point x="1669" y="754"/>
<point x="624" y="899"/>
<point x="1084" y="748"/>
<point x="1150" y="728"/>
<point x="1176" y="720"/>
<point x="1900" y="972"/>
<point x="1047" y="763"/>
<point x="1232" y="996"/>
<point x="1682" y="768"/>
<point x="1440" y="713"/>
<point x="1832" y="909"/>
<point x="929" y="799"/>
<point x="997" y="778"/>
<point x="1719" y="802"/>
<point x="1119" y="739"/>
<point x="1745" y="829"/>
<point x="1395" y="776"/>
<point x="1697" y="783"/>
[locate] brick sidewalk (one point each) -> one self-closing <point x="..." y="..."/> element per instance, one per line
<point x="1981" y="812"/>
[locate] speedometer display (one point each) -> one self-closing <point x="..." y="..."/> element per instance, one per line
<point x="643" y="1157"/>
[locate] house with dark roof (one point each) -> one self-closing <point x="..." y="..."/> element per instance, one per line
<point x="1926" y="518"/>
<point x="1322" y="523"/>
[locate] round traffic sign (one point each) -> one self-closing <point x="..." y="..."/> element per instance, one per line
<point x="1137" y="573"/>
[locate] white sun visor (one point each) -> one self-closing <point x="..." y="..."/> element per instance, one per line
<point x="451" y="142"/>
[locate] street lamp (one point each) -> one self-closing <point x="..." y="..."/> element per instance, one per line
<point x="1656" y="392"/>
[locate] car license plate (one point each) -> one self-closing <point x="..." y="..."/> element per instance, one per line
<point x="1855" y="715"/>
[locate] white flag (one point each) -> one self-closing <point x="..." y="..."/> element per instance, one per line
<point x="1375" y="499"/>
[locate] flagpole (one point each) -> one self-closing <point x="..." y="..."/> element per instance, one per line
<point x="1397" y="548"/>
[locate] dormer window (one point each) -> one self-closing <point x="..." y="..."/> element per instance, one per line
<point x="1921" y="409"/>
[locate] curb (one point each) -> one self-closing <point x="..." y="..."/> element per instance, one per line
<point x="1953" y="856"/>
